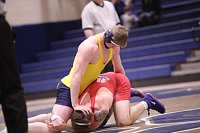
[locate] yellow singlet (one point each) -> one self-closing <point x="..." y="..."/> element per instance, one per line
<point x="92" y="71"/>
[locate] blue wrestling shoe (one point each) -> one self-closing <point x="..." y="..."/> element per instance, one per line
<point x="136" y="93"/>
<point x="154" y="103"/>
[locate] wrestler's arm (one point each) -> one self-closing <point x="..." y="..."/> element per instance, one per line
<point x="87" y="17"/>
<point x="116" y="61"/>
<point x="82" y="59"/>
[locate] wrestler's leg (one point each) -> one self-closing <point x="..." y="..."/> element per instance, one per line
<point x="61" y="112"/>
<point x="133" y="112"/>
<point x="39" y="123"/>
<point x="39" y="118"/>
<point x="62" y="109"/>
<point x="38" y="127"/>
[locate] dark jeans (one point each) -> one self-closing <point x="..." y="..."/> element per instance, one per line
<point x="11" y="92"/>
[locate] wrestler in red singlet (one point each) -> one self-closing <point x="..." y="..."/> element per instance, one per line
<point x="117" y="83"/>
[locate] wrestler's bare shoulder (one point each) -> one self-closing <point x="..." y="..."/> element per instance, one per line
<point x="90" y="44"/>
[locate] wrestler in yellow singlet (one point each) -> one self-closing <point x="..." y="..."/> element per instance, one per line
<point x="92" y="71"/>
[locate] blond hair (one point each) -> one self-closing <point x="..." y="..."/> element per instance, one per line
<point x="120" y="35"/>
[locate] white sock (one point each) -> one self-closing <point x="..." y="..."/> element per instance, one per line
<point x="145" y="104"/>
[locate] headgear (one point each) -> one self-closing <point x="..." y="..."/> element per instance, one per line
<point x="118" y="34"/>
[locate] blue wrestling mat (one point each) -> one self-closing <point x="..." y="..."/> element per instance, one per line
<point x="182" y="121"/>
<point x="166" y="123"/>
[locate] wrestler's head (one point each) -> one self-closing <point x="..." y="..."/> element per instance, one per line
<point x="118" y="35"/>
<point x="80" y="122"/>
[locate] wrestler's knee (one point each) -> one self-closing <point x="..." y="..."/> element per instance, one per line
<point x="123" y="118"/>
<point x="124" y="122"/>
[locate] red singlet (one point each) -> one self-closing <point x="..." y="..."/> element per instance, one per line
<point x="117" y="83"/>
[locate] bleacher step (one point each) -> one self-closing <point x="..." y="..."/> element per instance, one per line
<point x="140" y="62"/>
<point x="137" y="52"/>
<point x="164" y="27"/>
<point x="193" y="59"/>
<point x="180" y="3"/>
<point x="149" y="72"/>
<point x="40" y="86"/>
<point x="186" y="72"/>
<point x="187" y="14"/>
<point x="195" y="56"/>
<point x="143" y="40"/>
<point x="133" y="74"/>
<point x="48" y="64"/>
<point x="166" y="80"/>
<point x="189" y="66"/>
<point x="197" y="52"/>
<point x="170" y="7"/>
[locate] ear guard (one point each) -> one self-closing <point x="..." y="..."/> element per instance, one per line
<point x="108" y="36"/>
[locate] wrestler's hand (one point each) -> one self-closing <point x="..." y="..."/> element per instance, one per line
<point x="52" y="128"/>
<point x="56" y="128"/>
<point x="56" y="124"/>
<point x="86" y="110"/>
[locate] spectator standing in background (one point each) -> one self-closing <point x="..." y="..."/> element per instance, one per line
<point x="11" y="91"/>
<point x="119" y="7"/>
<point x="128" y="18"/>
<point x="99" y="16"/>
<point x="151" y="12"/>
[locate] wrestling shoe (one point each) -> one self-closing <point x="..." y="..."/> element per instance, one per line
<point x="136" y="93"/>
<point x="153" y="103"/>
